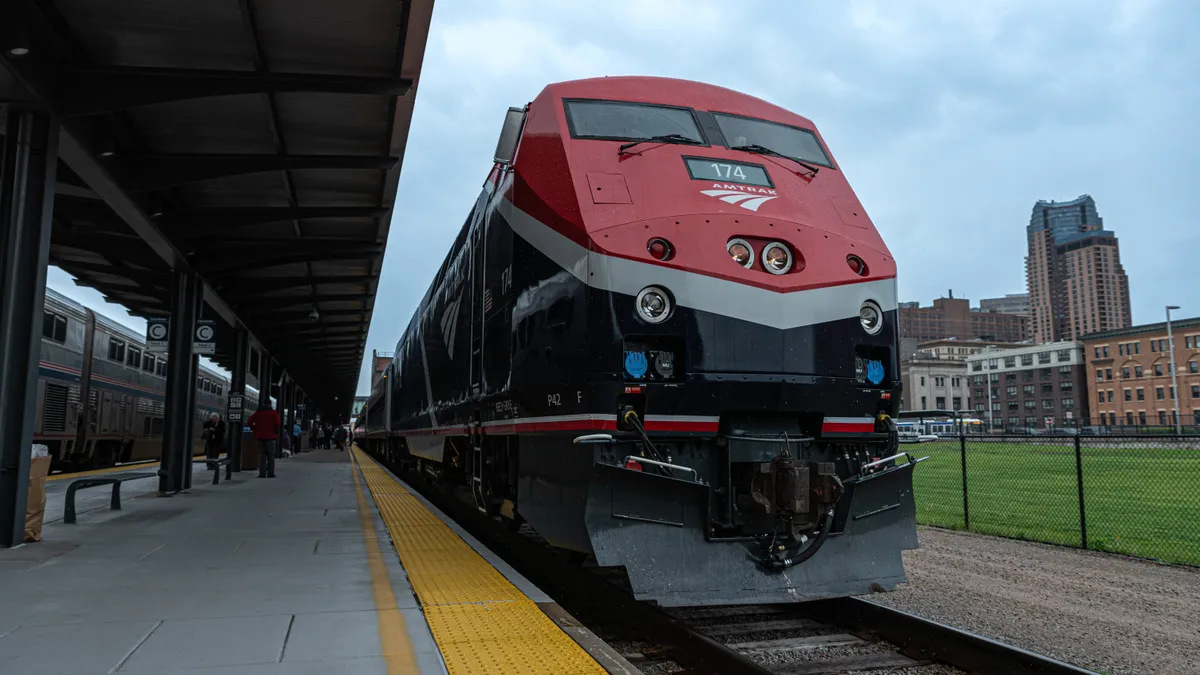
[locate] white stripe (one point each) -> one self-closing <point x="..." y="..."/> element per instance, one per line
<point x="850" y="420"/>
<point x="753" y="204"/>
<point x="698" y="291"/>
<point x="550" y="418"/>
<point x="735" y="198"/>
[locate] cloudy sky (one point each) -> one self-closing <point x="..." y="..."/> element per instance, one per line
<point x="950" y="118"/>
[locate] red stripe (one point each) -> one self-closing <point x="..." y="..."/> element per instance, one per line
<point x="566" y="425"/>
<point x="847" y="428"/>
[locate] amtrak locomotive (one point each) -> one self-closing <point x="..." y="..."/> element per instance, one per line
<point x="666" y="338"/>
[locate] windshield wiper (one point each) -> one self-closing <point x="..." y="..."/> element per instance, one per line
<point x="665" y="138"/>
<point x="763" y="150"/>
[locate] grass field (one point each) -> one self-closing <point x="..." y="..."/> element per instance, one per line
<point x="1140" y="498"/>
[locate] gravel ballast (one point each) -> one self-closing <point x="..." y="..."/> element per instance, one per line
<point x="1100" y="611"/>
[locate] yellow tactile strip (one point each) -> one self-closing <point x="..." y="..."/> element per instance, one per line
<point x="480" y="621"/>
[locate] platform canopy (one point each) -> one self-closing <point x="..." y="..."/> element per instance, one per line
<point x="255" y="142"/>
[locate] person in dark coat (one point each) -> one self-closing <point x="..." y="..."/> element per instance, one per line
<point x="339" y="437"/>
<point x="214" y="436"/>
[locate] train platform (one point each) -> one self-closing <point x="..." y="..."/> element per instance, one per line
<point x="332" y="567"/>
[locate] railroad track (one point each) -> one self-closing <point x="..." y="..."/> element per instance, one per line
<point x="843" y="635"/>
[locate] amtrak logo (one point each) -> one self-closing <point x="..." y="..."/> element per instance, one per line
<point x="874" y="371"/>
<point x="747" y="197"/>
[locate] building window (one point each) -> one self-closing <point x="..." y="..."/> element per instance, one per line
<point x="1108" y="374"/>
<point x="923" y="403"/>
<point x="1047" y="389"/>
<point x="1158" y="369"/>
<point x="1027" y="359"/>
<point x="940" y="382"/>
<point x="116" y="350"/>
<point x="941" y="402"/>
<point x="1047" y="404"/>
<point x="1027" y="376"/>
<point x="1028" y="390"/>
<point x="977" y="366"/>
<point x="995" y="407"/>
<point x="1121" y="349"/>
<point x="1129" y="418"/>
<point x="1125" y="373"/>
<point x="956" y="403"/>
<point x="1012" y="392"/>
<point x="1106" y="351"/>
<point x="1172" y="393"/>
<point x="1141" y="394"/>
<point x="1010" y="362"/>
<point x="1064" y="370"/>
<point x="1043" y="357"/>
<point x="978" y="393"/>
<point x="1031" y="422"/>
<point x="1137" y="348"/>
<point x="1193" y="367"/>
<point x="1030" y="404"/>
<point x="922" y="380"/>
<point x="1110" y="395"/>
<point x="956" y="382"/>
<point x="1196" y="391"/>
<point x="1068" y="403"/>
<point x="1128" y="395"/>
<point x="1158" y="393"/>
<point x="1046" y="373"/>
<point x="1187" y="341"/>
<point x="1154" y="345"/>
<point x="1142" y="417"/>
<point x="1137" y="371"/>
<point x="54" y="327"/>
<point x="1066" y="385"/>
<point x="1097" y="352"/>
<point x="978" y="379"/>
<point x="1162" y="417"/>
<point x="1014" y="422"/>
<point x="1013" y="405"/>
<point x="1064" y="355"/>
<point x="1010" y="377"/>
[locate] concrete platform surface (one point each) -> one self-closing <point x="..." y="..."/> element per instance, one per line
<point x="254" y="576"/>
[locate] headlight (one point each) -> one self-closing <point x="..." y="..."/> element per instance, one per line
<point x="776" y="258"/>
<point x="653" y="304"/>
<point x="871" y="317"/>
<point x="741" y="252"/>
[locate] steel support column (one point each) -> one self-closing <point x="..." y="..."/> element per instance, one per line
<point x="180" y="382"/>
<point x="241" y="357"/>
<point x="194" y="372"/>
<point x="27" y="177"/>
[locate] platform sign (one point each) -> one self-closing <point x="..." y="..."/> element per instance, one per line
<point x="204" y="339"/>
<point x="237" y="404"/>
<point x="158" y="330"/>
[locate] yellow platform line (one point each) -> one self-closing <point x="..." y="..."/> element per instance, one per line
<point x="481" y="622"/>
<point x="393" y="630"/>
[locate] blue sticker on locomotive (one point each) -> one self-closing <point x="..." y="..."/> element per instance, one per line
<point x="874" y="371"/>
<point x="636" y="364"/>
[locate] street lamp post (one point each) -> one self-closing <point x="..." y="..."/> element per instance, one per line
<point x="1174" y="381"/>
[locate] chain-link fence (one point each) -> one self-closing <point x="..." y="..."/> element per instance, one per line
<point x="1137" y="495"/>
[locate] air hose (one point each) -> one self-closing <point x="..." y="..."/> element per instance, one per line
<point x="778" y="564"/>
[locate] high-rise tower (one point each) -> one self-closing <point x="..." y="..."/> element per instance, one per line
<point x="1076" y="282"/>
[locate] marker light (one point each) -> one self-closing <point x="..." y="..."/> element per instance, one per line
<point x="776" y="258"/>
<point x="857" y="265"/>
<point x="871" y="317"/>
<point x="659" y="248"/>
<point x="653" y="304"/>
<point x="741" y="252"/>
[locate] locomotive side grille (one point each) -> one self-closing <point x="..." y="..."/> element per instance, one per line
<point x="54" y="411"/>
<point x="73" y="395"/>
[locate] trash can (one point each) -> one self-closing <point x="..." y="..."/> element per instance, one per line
<point x="35" y="503"/>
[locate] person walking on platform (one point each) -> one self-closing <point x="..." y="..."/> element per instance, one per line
<point x="298" y="437"/>
<point x="214" y="436"/>
<point x="339" y="437"/>
<point x="320" y="433"/>
<point x="265" y="425"/>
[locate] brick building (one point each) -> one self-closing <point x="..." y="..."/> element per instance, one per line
<point x="1129" y="374"/>
<point x="1073" y="269"/>
<point x="1031" y="387"/>
<point x="953" y="318"/>
<point x="935" y="375"/>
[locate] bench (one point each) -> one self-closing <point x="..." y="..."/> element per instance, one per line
<point x="84" y="483"/>
<point x="215" y="465"/>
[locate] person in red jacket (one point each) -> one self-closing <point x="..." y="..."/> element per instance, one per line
<point x="265" y="425"/>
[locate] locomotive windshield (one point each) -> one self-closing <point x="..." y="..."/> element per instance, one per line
<point x="630" y="121"/>
<point x="792" y="142"/>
